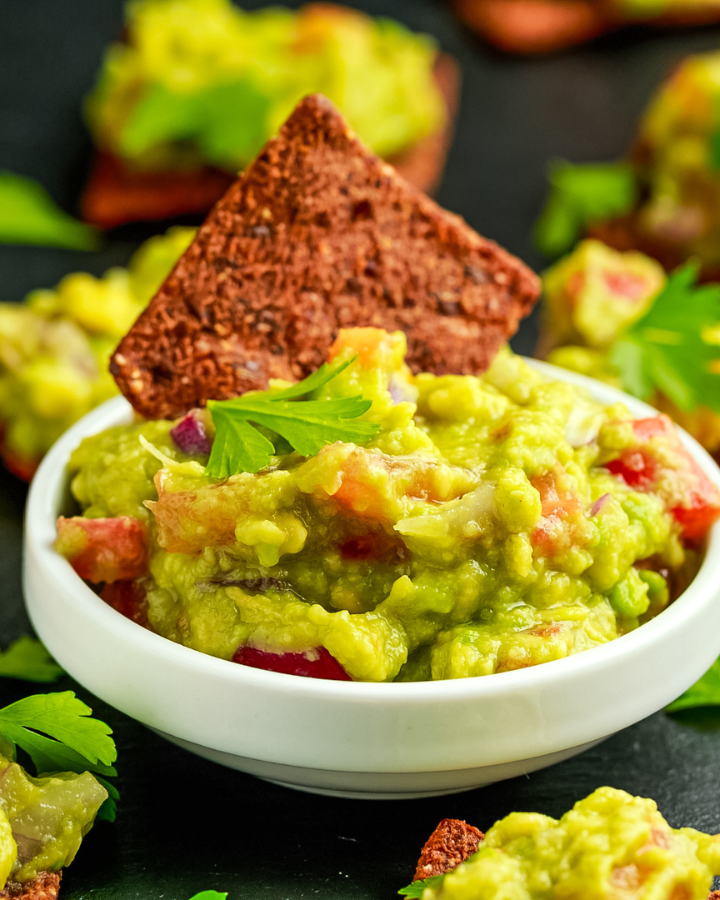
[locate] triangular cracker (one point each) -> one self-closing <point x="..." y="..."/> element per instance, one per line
<point x="317" y="235"/>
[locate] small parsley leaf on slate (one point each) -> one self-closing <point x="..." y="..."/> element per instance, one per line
<point x="28" y="215"/>
<point x="580" y="195"/>
<point x="28" y="660"/>
<point x="668" y="349"/>
<point x="306" y="425"/>
<point x="705" y="692"/>
<point x="415" y="889"/>
<point x="209" y="895"/>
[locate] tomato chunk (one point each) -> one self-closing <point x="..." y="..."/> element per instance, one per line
<point x="104" y="550"/>
<point x="315" y="663"/>
<point x="660" y="464"/>
<point x="128" y="598"/>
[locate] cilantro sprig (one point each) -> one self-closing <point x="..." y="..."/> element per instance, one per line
<point x="580" y="195"/>
<point x="306" y="425"/>
<point x="209" y="895"/>
<point x="28" y="215"/>
<point x="667" y="348"/>
<point x="28" y="660"/>
<point x="59" y="735"/>
<point x="415" y="889"/>
<point x="705" y="692"/>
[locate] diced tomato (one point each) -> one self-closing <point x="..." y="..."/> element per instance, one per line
<point x="555" y="502"/>
<point x="373" y="346"/>
<point x="685" y="489"/>
<point x="637" y="469"/>
<point x="553" y="535"/>
<point x="375" y="546"/>
<point x="315" y="663"/>
<point x="104" y="550"/>
<point x="627" y="285"/>
<point x="128" y="598"/>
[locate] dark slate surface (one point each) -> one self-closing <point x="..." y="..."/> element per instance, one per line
<point x="186" y="824"/>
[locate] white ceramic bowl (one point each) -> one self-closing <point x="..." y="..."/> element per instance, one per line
<point x="355" y="739"/>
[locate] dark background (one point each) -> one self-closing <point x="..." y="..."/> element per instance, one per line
<point x="185" y="824"/>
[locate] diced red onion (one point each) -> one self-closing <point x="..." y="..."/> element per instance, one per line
<point x="190" y="436"/>
<point x="401" y="391"/>
<point x="599" y="504"/>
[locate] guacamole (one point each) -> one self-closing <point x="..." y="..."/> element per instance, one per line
<point x="43" y="820"/>
<point x="610" y="845"/>
<point x="202" y="82"/>
<point x="590" y="299"/>
<point x="55" y="347"/>
<point x="492" y="523"/>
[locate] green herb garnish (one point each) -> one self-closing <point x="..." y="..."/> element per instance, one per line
<point x="227" y="121"/>
<point x="57" y="733"/>
<point x="306" y="425"/>
<point x="415" y="889"/>
<point x="28" y="660"/>
<point x="666" y="349"/>
<point x="705" y="692"/>
<point x="28" y="215"/>
<point x="209" y="895"/>
<point x="580" y="195"/>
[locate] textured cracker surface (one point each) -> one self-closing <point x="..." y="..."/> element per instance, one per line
<point x="317" y="235"/>
<point x="452" y="842"/>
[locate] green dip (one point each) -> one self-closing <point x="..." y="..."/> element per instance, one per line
<point x="201" y="82"/>
<point x="610" y="845"/>
<point x="479" y="531"/>
<point x="43" y="820"/>
<point x="55" y="347"/>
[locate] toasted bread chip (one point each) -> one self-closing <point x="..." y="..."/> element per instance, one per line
<point x="116" y="194"/>
<point x="543" y="26"/>
<point x="452" y="842"/>
<point x="44" y="887"/>
<point x="317" y="235"/>
<point x="535" y="26"/>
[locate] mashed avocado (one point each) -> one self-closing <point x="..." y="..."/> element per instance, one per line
<point x="590" y="298"/>
<point x="43" y="820"/>
<point x="8" y="850"/>
<point x="489" y="525"/>
<point x="610" y="845"/>
<point x="202" y="82"/>
<point x="678" y="160"/>
<point x="55" y="348"/>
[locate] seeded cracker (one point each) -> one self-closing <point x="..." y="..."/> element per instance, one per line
<point x="452" y="842"/>
<point x="318" y="234"/>
<point x="44" y="887"/>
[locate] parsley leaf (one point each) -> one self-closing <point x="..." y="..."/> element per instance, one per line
<point x="226" y="121"/>
<point x="705" y="692"/>
<point x="666" y="350"/>
<point x="28" y="660"/>
<point x="209" y="895"/>
<point x="415" y="889"/>
<point x="57" y="733"/>
<point x="580" y="195"/>
<point x="28" y="215"/>
<point x="307" y="426"/>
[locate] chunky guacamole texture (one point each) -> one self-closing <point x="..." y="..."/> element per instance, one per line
<point x="55" y="347"/>
<point x="43" y="820"/>
<point x="610" y="845"/>
<point x="203" y="82"/>
<point x="677" y="159"/>
<point x="480" y="531"/>
<point x="590" y="298"/>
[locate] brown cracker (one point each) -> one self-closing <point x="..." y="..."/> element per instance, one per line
<point x="452" y="842"/>
<point x="44" y="886"/>
<point x="317" y="235"/>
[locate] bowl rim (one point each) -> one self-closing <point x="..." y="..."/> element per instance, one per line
<point x="49" y="484"/>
